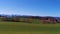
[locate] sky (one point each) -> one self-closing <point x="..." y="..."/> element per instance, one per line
<point x="30" y="7"/>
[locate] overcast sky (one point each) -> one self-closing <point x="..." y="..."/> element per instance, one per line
<point x="30" y="7"/>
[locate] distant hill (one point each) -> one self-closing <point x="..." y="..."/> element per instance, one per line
<point x="25" y="16"/>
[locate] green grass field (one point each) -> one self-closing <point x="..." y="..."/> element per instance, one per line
<point x="25" y="28"/>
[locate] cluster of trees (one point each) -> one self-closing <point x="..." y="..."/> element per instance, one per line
<point x="13" y="19"/>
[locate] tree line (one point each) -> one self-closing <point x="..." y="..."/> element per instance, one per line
<point x="28" y="19"/>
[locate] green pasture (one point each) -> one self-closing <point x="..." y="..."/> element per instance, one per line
<point x="28" y="28"/>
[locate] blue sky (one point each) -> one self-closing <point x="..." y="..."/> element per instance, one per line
<point x="30" y="7"/>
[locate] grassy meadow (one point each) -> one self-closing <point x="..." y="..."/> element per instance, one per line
<point x="28" y="28"/>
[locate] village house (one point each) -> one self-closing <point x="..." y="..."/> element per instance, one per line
<point x="48" y="20"/>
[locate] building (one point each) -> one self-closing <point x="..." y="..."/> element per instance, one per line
<point x="48" y="20"/>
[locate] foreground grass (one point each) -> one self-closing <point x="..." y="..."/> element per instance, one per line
<point x="14" y="32"/>
<point x="25" y="28"/>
